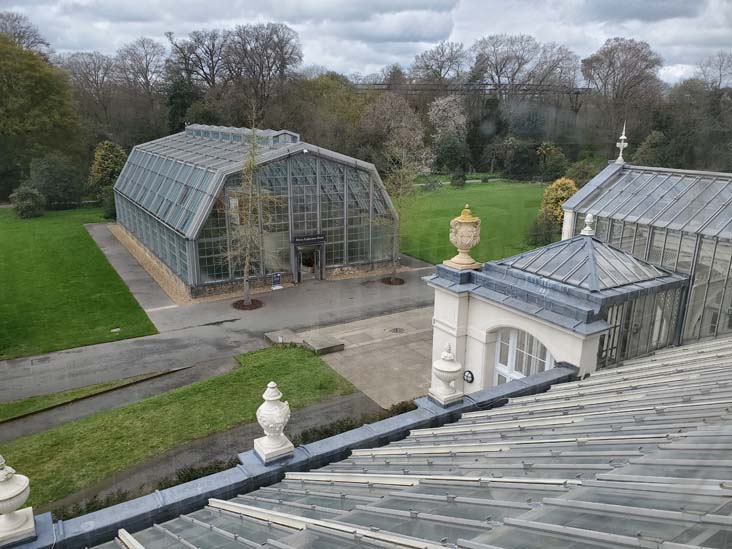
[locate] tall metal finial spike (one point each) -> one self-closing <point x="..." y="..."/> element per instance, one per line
<point x="621" y="145"/>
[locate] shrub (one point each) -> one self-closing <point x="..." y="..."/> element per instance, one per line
<point x="109" y="208"/>
<point x="555" y="195"/>
<point x="27" y="201"/>
<point x="544" y="230"/>
<point x="583" y="170"/>
<point x="552" y="161"/>
<point x="57" y="179"/>
<point x="457" y="179"/>
<point x="109" y="159"/>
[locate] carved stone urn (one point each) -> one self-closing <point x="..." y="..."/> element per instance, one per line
<point x="273" y="416"/>
<point x="464" y="235"/>
<point x="14" y="491"/>
<point x="445" y="371"/>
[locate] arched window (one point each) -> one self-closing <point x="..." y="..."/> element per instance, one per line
<point x="519" y="354"/>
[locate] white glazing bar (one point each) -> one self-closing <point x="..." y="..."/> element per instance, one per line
<point x="300" y="523"/>
<point x="126" y="539"/>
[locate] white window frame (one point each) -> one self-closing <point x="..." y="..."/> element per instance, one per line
<point x="508" y="371"/>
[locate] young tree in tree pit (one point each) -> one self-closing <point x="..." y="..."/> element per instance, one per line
<point x="243" y="208"/>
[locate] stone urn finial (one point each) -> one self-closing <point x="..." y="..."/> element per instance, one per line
<point x="273" y="416"/>
<point x="588" y="230"/>
<point x="464" y="235"/>
<point x="15" y="525"/>
<point x="445" y="371"/>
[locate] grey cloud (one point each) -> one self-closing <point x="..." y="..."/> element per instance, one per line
<point x="111" y="10"/>
<point x="641" y="10"/>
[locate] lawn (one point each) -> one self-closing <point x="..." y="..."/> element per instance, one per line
<point x="15" y="408"/>
<point x="57" y="290"/>
<point x="506" y="209"/>
<point x="81" y="453"/>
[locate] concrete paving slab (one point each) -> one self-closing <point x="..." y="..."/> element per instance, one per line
<point x="280" y="337"/>
<point x="323" y="343"/>
<point x="403" y="358"/>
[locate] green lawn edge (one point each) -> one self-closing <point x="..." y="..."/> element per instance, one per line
<point x="506" y="209"/>
<point x="57" y="288"/>
<point x="89" y="450"/>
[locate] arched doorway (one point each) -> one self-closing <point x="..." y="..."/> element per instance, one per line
<point x="519" y="354"/>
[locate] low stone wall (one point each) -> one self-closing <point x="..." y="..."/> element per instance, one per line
<point x="161" y="505"/>
<point x="159" y="271"/>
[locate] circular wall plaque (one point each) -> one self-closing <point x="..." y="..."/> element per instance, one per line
<point x="468" y="376"/>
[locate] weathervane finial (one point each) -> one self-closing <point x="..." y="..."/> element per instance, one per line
<point x="622" y="144"/>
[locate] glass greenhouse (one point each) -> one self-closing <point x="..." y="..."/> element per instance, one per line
<point x="318" y="211"/>
<point x="675" y="219"/>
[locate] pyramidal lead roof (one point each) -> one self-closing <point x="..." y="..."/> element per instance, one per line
<point x="584" y="262"/>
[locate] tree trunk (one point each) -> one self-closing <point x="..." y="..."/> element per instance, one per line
<point x="395" y="251"/>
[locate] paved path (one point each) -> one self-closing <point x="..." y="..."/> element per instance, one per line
<point x="395" y="347"/>
<point x="203" y="332"/>
<point x="315" y="303"/>
<point x="48" y="419"/>
<point x="226" y="445"/>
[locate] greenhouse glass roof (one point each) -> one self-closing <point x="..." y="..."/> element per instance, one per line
<point x="177" y="178"/>
<point x="584" y="262"/>
<point x="636" y="456"/>
<point x="691" y="201"/>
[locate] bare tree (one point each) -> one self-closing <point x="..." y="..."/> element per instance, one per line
<point x="247" y="207"/>
<point x="392" y="124"/>
<point x="92" y="74"/>
<point x="624" y="75"/>
<point x="201" y="55"/>
<point x="446" y="61"/>
<point x="21" y="31"/>
<point x="259" y="57"/>
<point x="513" y="62"/>
<point x="716" y="70"/>
<point x="140" y="65"/>
<point x="244" y="205"/>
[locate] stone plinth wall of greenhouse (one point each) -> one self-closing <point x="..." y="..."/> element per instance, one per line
<point x="179" y="195"/>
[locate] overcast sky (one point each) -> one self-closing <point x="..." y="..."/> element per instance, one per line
<point x="364" y="35"/>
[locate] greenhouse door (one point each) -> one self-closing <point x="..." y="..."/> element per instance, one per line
<point x="309" y="264"/>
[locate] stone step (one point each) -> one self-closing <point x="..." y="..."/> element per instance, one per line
<point x="283" y="337"/>
<point x="323" y="344"/>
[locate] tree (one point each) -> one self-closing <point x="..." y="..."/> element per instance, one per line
<point x="444" y="62"/>
<point x="140" y="65"/>
<point x="450" y="124"/>
<point x="109" y="159"/>
<point x="24" y="34"/>
<point x="552" y="161"/>
<point x="511" y="62"/>
<point x="182" y="95"/>
<point x="92" y="74"/>
<point x="624" y="76"/>
<point x="58" y="179"/>
<point x="583" y="170"/>
<point x="246" y="207"/>
<point x="36" y="112"/>
<point x="396" y="135"/>
<point x="716" y="70"/>
<point x="200" y="57"/>
<point x="654" y="151"/>
<point x="27" y="201"/>
<point x="259" y="58"/>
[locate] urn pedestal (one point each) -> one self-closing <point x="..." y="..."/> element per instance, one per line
<point x="273" y="416"/>
<point x="15" y="526"/>
<point x="464" y="235"/>
<point x="445" y="371"/>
